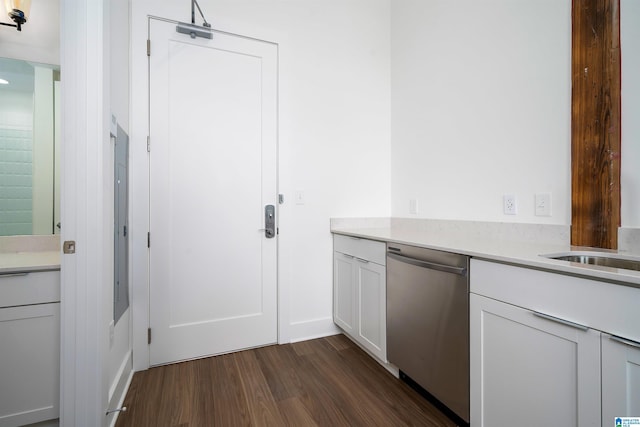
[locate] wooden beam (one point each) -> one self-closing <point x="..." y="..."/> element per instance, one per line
<point x="595" y="123"/>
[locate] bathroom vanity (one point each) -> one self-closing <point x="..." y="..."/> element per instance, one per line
<point x="29" y="338"/>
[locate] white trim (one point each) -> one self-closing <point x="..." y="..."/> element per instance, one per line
<point x="312" y="329"/>
<point x="125" y="389"/>
<point x="82" y="395"/>
<point x="126" y="361"/>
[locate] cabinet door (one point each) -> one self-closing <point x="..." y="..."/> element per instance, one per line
<point x="29" y="364"/>
<point x="529" y="370"/>
<point x="344" y="292"/>
<point x="372" y="308"/>
<point x="620" y="379"/>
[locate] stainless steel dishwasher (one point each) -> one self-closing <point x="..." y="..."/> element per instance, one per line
<point x="428" y="322"/>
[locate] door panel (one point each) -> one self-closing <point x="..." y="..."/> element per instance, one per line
<point x="620" y="379"/>
<point x="518" y="358"/>
<point x="212" y="170"/>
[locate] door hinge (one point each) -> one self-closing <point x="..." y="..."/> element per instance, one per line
<point x="149" y="336"/>
<point x="148" y="47"/>
<point x="148" y="144"/>
<point x="148" y="239"/>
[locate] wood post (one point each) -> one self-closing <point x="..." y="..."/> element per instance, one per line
<point x="595" y="123"/>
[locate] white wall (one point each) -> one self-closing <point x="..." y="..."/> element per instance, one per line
<point x="86" y="291"/>
<point x="334" y="88"/>
<point x="481" y="96"/>
<point x="630" y="175"/>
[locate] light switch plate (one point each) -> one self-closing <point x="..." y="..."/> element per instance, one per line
<point x="413" y="206"/>
<point x="543" y="204"/>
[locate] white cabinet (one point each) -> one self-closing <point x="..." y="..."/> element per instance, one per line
<point x="29" y="348"/>
<point x="620" y="378"/>
<point x="541" y="351"/>
<point x="359" y="301"/>
<point x="344" y="292"/>
<point x="532" y="369"/>
<point x="372" y="308"/>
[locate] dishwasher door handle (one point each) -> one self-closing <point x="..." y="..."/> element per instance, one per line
<point x="461" y="271"/>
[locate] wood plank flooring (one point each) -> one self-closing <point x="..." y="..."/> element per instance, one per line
<point x="324" y="382"/>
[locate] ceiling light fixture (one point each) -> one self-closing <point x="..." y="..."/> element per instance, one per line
<point x="18" y="11"/>
<point x="3" y="82"/>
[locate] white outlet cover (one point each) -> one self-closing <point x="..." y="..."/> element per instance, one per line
<point x="413" y="206"/>
<point x="543" y="204"/>
<point x="510" y="206"/>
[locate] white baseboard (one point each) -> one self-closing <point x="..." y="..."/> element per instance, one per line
<point x="311" y="329"/>
<point x="120" y="387"/>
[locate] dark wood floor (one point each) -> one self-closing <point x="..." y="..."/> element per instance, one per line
<point x="323" y="382"/>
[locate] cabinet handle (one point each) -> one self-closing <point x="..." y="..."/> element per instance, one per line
<point x="461" y="271"/>
<point x="13" y="274"/>
<point x="562" y="321"/>
<point x="362" y="260"/>
<point x="625" y="341"/>
<point x="348" y="256"/>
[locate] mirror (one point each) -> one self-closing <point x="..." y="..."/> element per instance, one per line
<point x="29" y="135"/>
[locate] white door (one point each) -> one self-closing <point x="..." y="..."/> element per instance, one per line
<point x="212" y="160"/>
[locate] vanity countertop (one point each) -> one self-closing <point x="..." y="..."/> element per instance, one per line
<point x="524" y="252"/>
<point x="21" y="262"/>
<point x="22" y="254"/>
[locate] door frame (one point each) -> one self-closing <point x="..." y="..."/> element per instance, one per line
<point x="139" y="165"/>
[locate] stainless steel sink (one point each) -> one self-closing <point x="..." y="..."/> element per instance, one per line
<point x="599" y="258"/>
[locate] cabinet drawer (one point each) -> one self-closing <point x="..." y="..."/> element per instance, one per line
<point x="29" y="288"/>
<point x="369" y="250"/>
<point x="598" y="305"/>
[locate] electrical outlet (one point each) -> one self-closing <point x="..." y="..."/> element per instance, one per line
<point x="509" y="204"/>
<point x="543" y="204"/>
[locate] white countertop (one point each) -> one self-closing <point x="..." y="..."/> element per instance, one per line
<point x="20" y="262"/>
<point x="522" y="253"/>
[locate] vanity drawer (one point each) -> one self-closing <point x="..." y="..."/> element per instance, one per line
<point x="29" y="288"/>
<point x="366" y="249"/>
